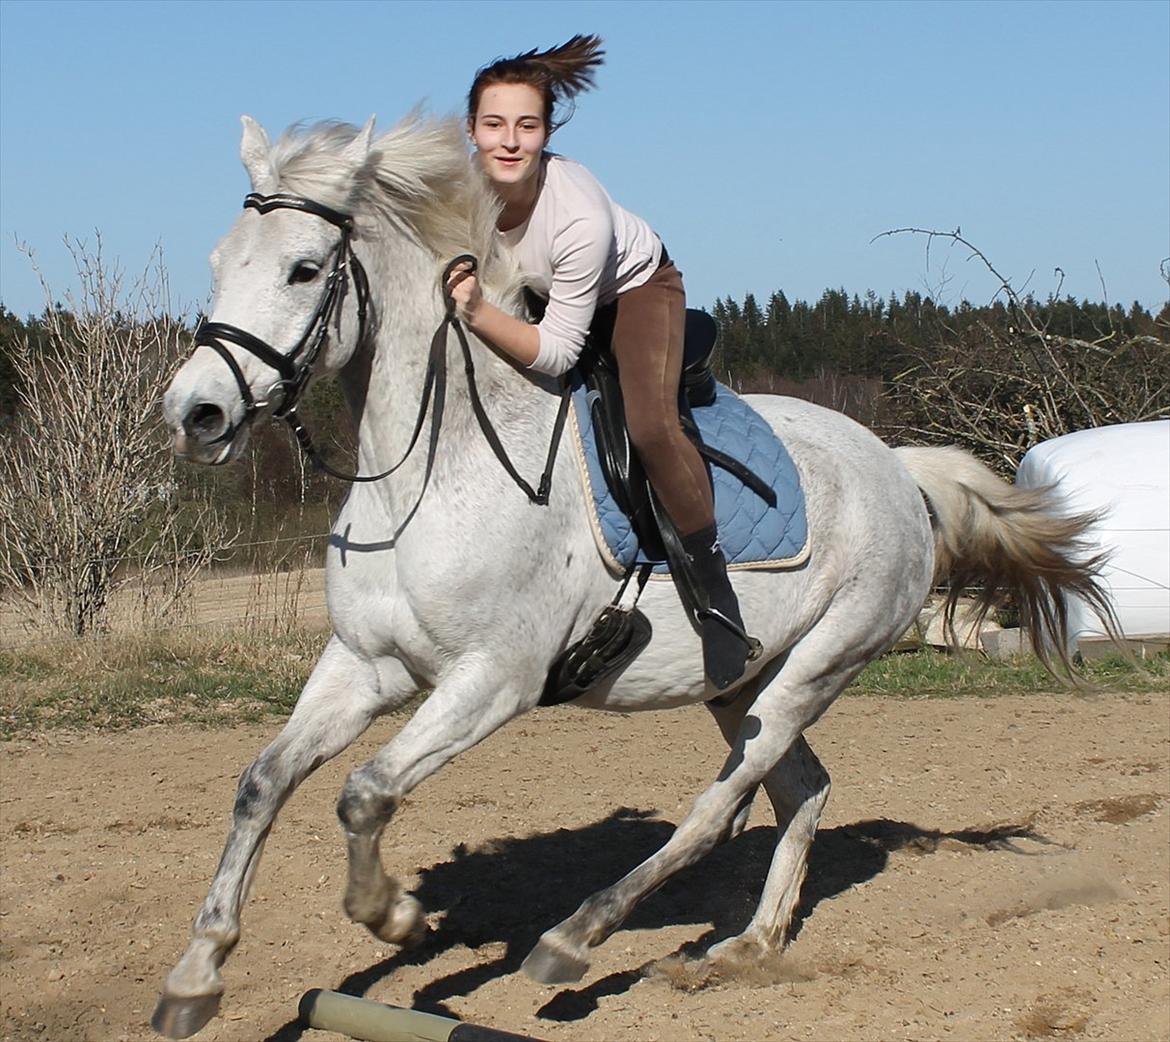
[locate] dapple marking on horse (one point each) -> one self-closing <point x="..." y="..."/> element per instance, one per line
<point x="444" y="577"/>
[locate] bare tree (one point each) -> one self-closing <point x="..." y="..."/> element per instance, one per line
<point x="88" y="496"/>
<point x="998" y="391"/>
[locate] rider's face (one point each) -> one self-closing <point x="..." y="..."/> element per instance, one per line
<point x="510" y="133"/>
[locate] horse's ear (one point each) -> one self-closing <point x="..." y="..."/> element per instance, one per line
<point x="254" y="151"/>
<point x="358" y="150"/>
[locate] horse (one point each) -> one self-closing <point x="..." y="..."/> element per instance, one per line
<point x="444" y="577"/>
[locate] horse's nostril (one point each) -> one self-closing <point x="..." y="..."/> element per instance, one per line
<point x="204" y="422"/>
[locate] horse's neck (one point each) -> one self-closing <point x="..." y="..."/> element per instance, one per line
<point x="385" y="388"/>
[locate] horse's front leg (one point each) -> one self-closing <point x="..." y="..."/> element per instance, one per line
<point x="465" y="707"/>
<point x="342" y="697"/>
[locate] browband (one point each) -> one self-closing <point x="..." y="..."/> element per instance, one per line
<point x="282" y="201"/>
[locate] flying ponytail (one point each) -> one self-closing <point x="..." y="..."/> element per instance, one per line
<point x="559" y="74"/>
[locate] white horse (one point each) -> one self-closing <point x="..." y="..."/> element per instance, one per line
<point x="444" y="577"/>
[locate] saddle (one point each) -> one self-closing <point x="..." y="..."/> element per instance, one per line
<point x="620" y="634"/>
<point x="624" y="474"/>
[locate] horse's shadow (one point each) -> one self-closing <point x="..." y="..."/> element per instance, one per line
<point x="511" y="890"/>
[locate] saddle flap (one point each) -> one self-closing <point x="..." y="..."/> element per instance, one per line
<point x="621" y="468"/>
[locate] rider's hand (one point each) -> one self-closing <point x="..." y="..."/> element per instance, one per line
<point x="464" y="289"/>
<point x="516" y="338"/>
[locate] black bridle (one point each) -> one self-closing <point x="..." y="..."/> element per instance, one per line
<point x="296" y="366"/>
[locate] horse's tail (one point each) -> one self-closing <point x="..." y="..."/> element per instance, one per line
<point x="1008" y="542"/>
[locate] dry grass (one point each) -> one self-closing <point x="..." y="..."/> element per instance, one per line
<point x="213" y="677"/>
<point x="278" y="600"/>
<point x="243" y="647"/>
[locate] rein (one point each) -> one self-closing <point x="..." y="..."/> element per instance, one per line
<point x="540" y="495"/>
<point x="296" y="370"/>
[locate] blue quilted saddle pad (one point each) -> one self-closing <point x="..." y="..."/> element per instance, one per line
<point x="751" y="533"/>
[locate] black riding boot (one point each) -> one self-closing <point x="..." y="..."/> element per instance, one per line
<point x="725" y="644"/>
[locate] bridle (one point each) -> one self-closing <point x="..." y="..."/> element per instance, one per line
<point x="296" y="366"/>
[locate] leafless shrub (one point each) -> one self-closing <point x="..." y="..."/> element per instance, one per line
<point x="88" y="496"/>
<point x="999" y="390"/>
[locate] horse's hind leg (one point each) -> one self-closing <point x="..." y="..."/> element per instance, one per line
<point x="340" y="700"/>
<point x="792" y="701"/>
<point x="798" y="787"/>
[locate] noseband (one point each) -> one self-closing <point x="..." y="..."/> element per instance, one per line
<point x="295" y="366"/>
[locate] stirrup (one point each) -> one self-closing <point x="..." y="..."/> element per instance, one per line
<point x="754" y="647"/>
<point x="727" y="649"/>
<point x="614" y="640"/>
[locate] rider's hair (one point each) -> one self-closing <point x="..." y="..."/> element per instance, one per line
<point x="559" y="74"/>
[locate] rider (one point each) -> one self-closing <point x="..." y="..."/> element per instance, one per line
<point x="582" y="252"/>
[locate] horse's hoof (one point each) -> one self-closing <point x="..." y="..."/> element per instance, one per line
<point x="178" y="1016"/>
<point x="551" y="962"/>
<point x="415" y="935"/>
<point x="740" y="950"/>
<point x="404" y="924"/>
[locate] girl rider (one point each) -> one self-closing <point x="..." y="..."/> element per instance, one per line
<point x="581" y="251"/>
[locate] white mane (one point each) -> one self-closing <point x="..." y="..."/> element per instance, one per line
<point x="418" y="177"/>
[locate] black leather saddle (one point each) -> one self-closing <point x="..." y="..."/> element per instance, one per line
<point x="624" y="473"/>
<point x="619" y="635"/>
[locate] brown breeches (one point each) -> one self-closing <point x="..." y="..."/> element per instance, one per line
<point x="648" y="345"/>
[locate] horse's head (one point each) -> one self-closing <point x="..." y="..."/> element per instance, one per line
<point x="290" y="295"/>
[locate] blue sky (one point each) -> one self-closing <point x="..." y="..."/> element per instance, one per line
<point x="768" y="143"/>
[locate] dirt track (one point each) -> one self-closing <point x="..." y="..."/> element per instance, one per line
<point x="917" y="923"/>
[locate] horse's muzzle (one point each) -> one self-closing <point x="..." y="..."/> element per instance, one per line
<point x="197" y="449"/>
<point x="202" y="431"/>
<point x="206" y="424"/>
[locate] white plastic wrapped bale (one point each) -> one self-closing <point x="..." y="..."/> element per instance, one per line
<point x="1122" y="471"/>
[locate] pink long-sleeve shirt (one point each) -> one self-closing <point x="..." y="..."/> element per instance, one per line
<point x="578" y="249"/>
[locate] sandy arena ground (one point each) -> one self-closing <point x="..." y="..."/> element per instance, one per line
<point x="918" y="921"/>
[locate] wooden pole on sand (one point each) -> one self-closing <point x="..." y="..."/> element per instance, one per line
<point x="376" y="1022"/>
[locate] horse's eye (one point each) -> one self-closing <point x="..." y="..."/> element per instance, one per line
<point x="305" y="271"/>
